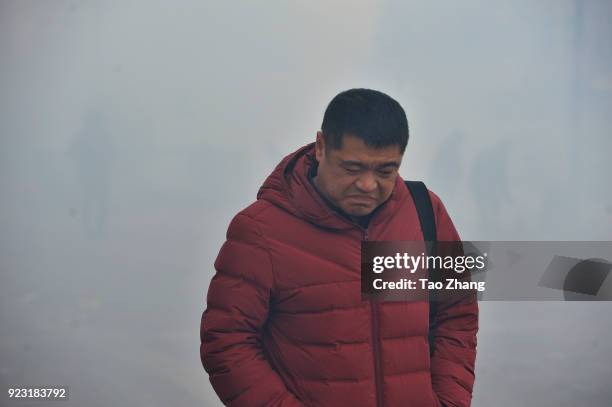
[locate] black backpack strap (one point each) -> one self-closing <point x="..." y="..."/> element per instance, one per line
<point x="424" y="208"/>
<point x="420" y="195"/>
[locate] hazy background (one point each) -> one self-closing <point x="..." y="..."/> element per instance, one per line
<point x="131" y="132"/>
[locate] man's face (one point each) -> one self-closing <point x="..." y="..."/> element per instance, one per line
<point x="356" y="178"/>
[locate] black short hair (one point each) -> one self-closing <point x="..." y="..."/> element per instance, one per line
<point x="368" y="114"/>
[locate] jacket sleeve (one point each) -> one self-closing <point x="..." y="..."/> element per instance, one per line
<point x="452" y="364"/>
<point x="230" y="332"/>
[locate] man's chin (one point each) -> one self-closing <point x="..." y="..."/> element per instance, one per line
<point x="358" y="210"/>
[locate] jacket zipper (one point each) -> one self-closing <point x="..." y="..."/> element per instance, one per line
<point x="375" y="346"/>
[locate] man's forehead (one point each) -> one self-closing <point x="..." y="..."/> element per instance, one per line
<point x="368" y="155"/>
<point x="371" y="163"/>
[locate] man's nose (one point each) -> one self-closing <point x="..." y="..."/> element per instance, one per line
<point x="367" y="182"/>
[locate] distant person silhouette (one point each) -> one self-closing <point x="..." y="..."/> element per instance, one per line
<point x="488" y="180"/>
<point x="447" y="167"/>
<point x="93" y="152"/>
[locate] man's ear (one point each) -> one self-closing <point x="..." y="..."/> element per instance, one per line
<point x="319" y="146"/>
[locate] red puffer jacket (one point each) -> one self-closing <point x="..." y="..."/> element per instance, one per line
<point x="285" y="324"/>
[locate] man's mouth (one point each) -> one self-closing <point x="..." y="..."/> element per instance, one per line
<point x="362" y="199"/>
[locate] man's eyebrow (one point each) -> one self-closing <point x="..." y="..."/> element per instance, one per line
<point x="389" y="164"/>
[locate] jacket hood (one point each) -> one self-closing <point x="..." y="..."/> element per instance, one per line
<point x="289" y="188"/>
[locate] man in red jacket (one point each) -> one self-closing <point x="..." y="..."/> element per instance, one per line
<point x="285" y="323"/>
